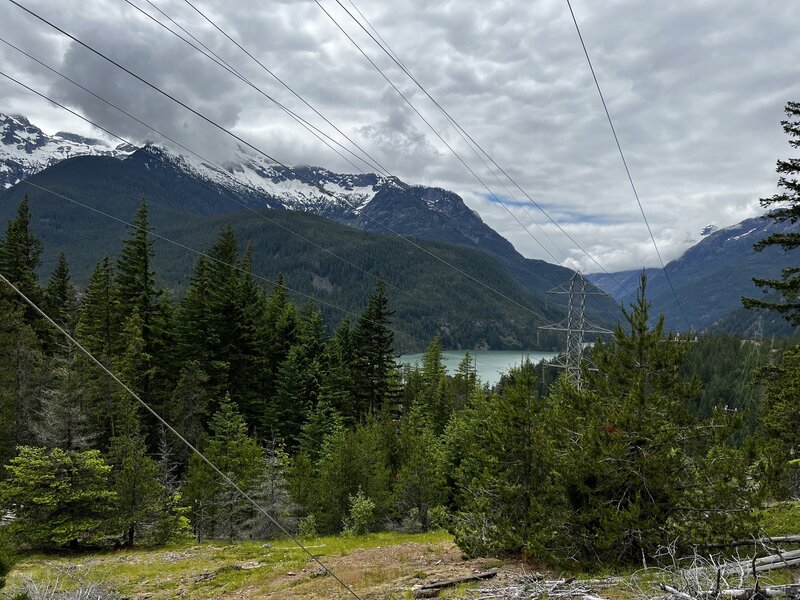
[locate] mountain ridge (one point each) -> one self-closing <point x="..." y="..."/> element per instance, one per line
<point x="711" y="276"/>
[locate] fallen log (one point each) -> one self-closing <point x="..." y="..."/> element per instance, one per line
<point x="791" y="591"/>
<point x="431" y="590"/>
<point x="778" y="564"/>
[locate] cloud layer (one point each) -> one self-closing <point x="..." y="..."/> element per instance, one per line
<point x="696" y="91"/>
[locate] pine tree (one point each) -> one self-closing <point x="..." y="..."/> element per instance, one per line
<point x="61" y="301"/>
<point x="420" y="481"/>
<point x="629" y="433"/>
<point x="20" y="256"/>
<point x="373" y="343"/>
<point x="135" y="279"/>
<point x="788" y="209"/>
<point x="58" y="498"/>
<point x="464" y="383"/>
<point x="198" y="329"/>
<point x="507" y="476"/>
<point x="136" y="293"/>
<point x="433" y="403"/>
<point x="249" y="374"/>
<point x="21" y="252"/>
<point x="217" y="509"/>
<point x="134" y="477"/>
<point x="98" y="329"/>
<point x="23" y="375"/>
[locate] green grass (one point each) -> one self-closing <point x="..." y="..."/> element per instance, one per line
<point x="180" y="569"/>
<point x="782" y="518"/>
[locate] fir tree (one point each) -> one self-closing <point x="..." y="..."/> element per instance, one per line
<point x="58" y="498"/>
<point x="373" y="343"/>
<point x="23" y="375"/>
<point x="788" y="209"/>
<point x="217" y="509"/>
<point x="98" y="329"/>
<point x="60" y="297"/>
<point x="20" y="256"/>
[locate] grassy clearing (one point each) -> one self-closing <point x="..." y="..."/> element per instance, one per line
<point x="381" y="565"/>
<point x="781" y="518"/>
<point x="245" y="569"/>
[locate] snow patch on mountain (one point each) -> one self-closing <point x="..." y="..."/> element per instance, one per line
<point x="25" y="149"/>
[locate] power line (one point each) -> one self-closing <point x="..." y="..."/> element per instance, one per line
<point x="214" y="57"/>
<point x="432" y="128"/>
<point x="258" y="150"/>
<point x="186" y="442"/>
<point x="471" y="142"/>
<point x="279" y="80"/>
<point x="205" y="255"/>
<point x="474" y="144"/>
<point x="260" y="64"/>
<point x="175" y="168"/>
<point x="625" y="162"/>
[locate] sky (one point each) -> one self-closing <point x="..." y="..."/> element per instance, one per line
<point x="696" y="91"/>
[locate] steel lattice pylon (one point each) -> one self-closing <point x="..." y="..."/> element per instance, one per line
<point x="575" y="325"/>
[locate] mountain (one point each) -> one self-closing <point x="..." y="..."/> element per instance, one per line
<point x="294" y="228"/>
<point x="369" y="202"/>
<point x="711" y="277"/>
<point x="428" y="296"/>
<point x="25" y="149"/>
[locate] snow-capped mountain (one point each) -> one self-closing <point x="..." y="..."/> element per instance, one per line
<point x="25" y="149"/>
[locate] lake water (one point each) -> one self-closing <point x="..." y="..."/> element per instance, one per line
<point x="490" y="364"/>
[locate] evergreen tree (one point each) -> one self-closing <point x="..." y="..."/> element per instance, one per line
<point x="630" y="433"/>
<point x="135" y="288"/>
<point x="420" y="481"/>
<point x="58" y="498"/>
<point x="23" y="375"/>
<point x="135" y="279"/>
<point x="134" y="474"/>
<point x="134" y="478"/>
<point x="249" y="373"/>
<point x="279" y="332"/>
<point x="98" y="329"/>
<point x="464" y="383"/>
<point x="336" y="387"/>
<point x="507" y="481"/>
<point x="61" y="420"/>
<point x="21" y="252"/>
<point x="433" y="402"/>
<point x="60" y="298"/>
<point x="217" y="509"/>
<point x="189" y="408"/>
<point x="780" y="420"/>
<point x="788" y="209"/>
<point x="373" y="343"/>
<point x="350" y="462"/>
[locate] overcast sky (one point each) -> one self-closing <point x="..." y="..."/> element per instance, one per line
<point x="696" y="90"/>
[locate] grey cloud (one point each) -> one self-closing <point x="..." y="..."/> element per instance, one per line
<point x="696" y="91"/>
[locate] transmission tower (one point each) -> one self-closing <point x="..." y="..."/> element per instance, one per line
<point x="575" y="325"/>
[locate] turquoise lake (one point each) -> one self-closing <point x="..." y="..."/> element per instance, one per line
<point x="490" y="364"/>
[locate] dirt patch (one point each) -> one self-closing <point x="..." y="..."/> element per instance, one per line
<point x="382" y="572"/>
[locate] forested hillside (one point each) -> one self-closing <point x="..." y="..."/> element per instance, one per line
<point x="335" y="265"/>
